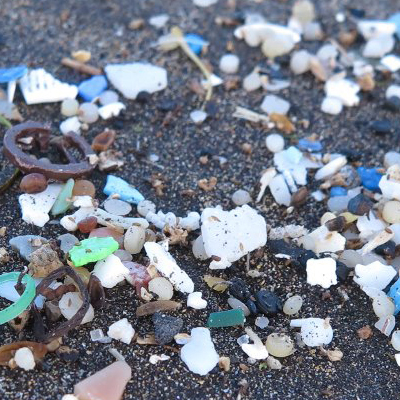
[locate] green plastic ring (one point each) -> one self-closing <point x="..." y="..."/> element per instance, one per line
<point x="23" y="302"/>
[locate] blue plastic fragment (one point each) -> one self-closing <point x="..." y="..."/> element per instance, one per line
<point x="310" y="145"/>
<point x="93" y="87"/>
<point x="126" y="191"/>
<point x="195" y="42"/>
<point x="370" y="178"/>
<point x="396" y="19"/>
<point x="394" y="293"/>
<point x="338" y="191"/>
<point x="12" y="74"/>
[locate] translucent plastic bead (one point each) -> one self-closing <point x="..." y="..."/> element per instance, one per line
<point x="279" y="345"/>
<point x="292" y="305"/>
<point x="88" y="112"/>
<point x="108" y="97"/>
<point x="69" y="107"/>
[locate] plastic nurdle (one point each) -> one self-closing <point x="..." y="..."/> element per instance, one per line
<point x="23" y="302"/>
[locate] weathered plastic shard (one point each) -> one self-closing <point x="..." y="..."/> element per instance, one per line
<point x="168" y="267"/>
<point x="386" y="324"/>
<point x="265" y="180"/>
<point x="226" y="318"/>
<point x="314" y="331"/>
<point x="390" y="183"/>
<point x="63" y="202"/>
<point x="255" y="34"/>
<point x="38" y="86"/>
<point x="110" y="271"/>
<point x="123" y="189"/>
<point x="376" y="275"/>
<point x="323" y="240"/>
<point x="92" y="250"/>
<point x="321" y="272"/>
<point x="280" y="190"/>
<point x="375" y="28"/>
<point x="331" y="168"/>
<point x="35" y="207"/>
<point x="229" y="235"/>
<point x="199" y="354"/>
<point x="256" y="350"/>
<point x="111" y="110"/>
<point x="106" y="384"/>
<point x="130" y="79"/>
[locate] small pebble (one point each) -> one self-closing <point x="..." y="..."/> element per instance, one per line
<point x="292" y="305"/>
<point x="237" y="304"/>
<point x="279" y="345"/>
<point x="83" y="187"/>
<point x="33" y="183"/>
<point x="381" y="127"/>
<point x="69" y="107"/>
<point x="241" y="197"/>
<point x="24" y="358"/>
<point x="166" y="327"/>
<point x="117" y="207"/>
<point x="229" y="63"/>
<point x="268" y="302"/>
<point x="86" y="225"/>
<point x="360" y="205"/>
<point x="275" y="142"/>
<point x="88" y="112"/>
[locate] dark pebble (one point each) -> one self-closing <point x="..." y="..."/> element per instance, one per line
<point x="211" y="109"/>
<point x="393" y="103"/>
<point x="252" y="306"/>
<point x="336" y="224"/>
<point x="282" y="247"/>
<point x="352" y="155"/>
<point x="305" y="256"/>
<point x="143" y="97"/>
<point x="359" y="205"/>
<point x="268" y="303"/>
<point x="166" y="327"/>
<point x="239" y="289"/>
<point x="382" y="126"/>
<point x="387" y="249"/>
<point x="342" y="271"/>
<point x="166" y="105"/>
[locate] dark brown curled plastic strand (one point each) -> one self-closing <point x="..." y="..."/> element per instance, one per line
<point x="63" y="328"/>
<point x="41" y="134"/>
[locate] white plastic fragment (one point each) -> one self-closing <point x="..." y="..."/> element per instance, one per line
<point x="369" y="225"/>
<point x="111" y="110"/>
<point x="331" y="168"/>
<point x="390" y="183"/>
<point x="392" y="90"/>
<point x="265" y="180"/>
<point x="162" y="287"/>
<point x="391" y="62"/>
<point x="252" y="81"/>
<point x="377" y="47"/>
<point x="382" y="305"/>
<point x="199" y="354"/>
<point x="375" y="28"/>
<point x="71" y="124"/>
<point x="376" y="275"/>
<point x="300" y="62"/>
<point x="198" y="249"/>
<point x="204" y="3"/>
<point x="241" y="197"/>
<point x="36" y="207"/>
<point x="256" y="350"/>
<point x="314" y="331"/>
<point x="168" y="267"/>
<point x="130" y="79"/>
<point x="121" y="330"/>
<point x="24" y="358"/>
<point x="386" y="324"/>
<point x="331" y="105"/>
<point x="275" y="142"/>
<point x="110" y="271"/>
<point x="321" y="272"/>
<point x="397" y="359"/>
<point x="146" y="206"/>
<point x="39" y="86"/>
<point x="280" y="190"/>
<point x="229" y="235"/>
<point x="344" y="90"/>
<point x="395" y="340"/>
<point x="322" y="240"/>
<point x="195" y="301"/>
<point x="159" y="21"/>
<point x="69" y="305"/>
<point x="154" y="358"/>
<point x="198" y="116"/>
<point x="274" y="104"/>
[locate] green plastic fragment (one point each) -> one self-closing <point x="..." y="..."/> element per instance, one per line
<point x="61" y="204"/>
<point x="226" y="318"/>
<point x="92" y="250"/>
<point x="23" y="302"/>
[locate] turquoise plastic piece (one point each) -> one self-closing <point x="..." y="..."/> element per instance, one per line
<point x="23" y="302"/>
<point x="92" y="250"/>
<point x="61" y="204"/>
<point x="226" y="318"/>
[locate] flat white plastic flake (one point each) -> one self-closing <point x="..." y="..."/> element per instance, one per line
<point x="376" y="275"/>
<point x="229" y="235"/>
<point x="35" y="207"/>
<point x="321" y="272"/>
<point x="314" y="331"/>
<point x="39" y="86"/>
<point x="168" y="267"/>
<point x="130" y="79"/>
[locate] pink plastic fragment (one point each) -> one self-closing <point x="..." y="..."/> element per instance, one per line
<point x="138" y="275"/>
<point x="106" y="384"/>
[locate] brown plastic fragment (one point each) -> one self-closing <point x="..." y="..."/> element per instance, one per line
<point x="103" y="140"/>
<point x="80" y="66"/>
<point x="156" y="306"/>
<point x="7" y="351"/>
<point x="41" y="135"/>
<point x="33" y="183"/>
<point x="96" y="292"/>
